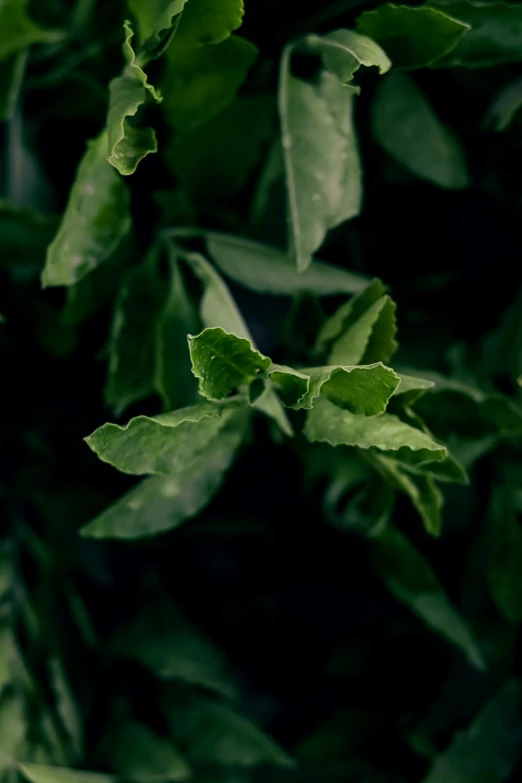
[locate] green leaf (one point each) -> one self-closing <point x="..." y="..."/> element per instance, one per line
<point x="214" y="734"/>
<point x="209" y="22"/>
<point x="127" y="144"/>
<point x="217" y="307"/>
<point x="12" y="70"/>
<point x="412" y="581"/>
<point x="164" y="641"/>
<point x="215" y="160"/>
<point x="386" y="433"/>
<point x="140" y="755"/>
<point x="132" y="368"/>
<point x="66" y="706"/>
<point x="174" y="380"/>
<point x="412" y="388"/>
<point x="201" y="81"/>
<point x="163" y="444"/>
<point x="154" y="17"/>
<point x="224" y="362"/>
<point x="504" y="106"/>
<point x="361" y="331"/>
<point x="18" y="31"/>
<point x="95" y="220"/>
<point x="495" y="36"/>
<point x="265" y="269"/>
<point x="505" y="566"/>
<point x="488" y="750"/>
<point x="162" y="503"/>
<point x="322" y="167"/>
<point x="412" y="37"/>
<point x="405" y="125"/>
<point x="344" y="51"/>
<point x="363" y="390"/>
<point x="420" y="486"/>
<point x="41" y="773"/>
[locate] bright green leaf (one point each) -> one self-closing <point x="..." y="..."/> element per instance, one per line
<point x="155" y="16"/>
<point x="164" y="641"/>
<point x="162" y="503"/>
<point x="95" y="220"/>
<point x="140" y="755"/>
<point x="209" y="22"/>
<point x="41" y="773"/>
<point x="386" y="433"/>
<point x="265" y="269"/>
<point x="412" y="37"/>
<point x="214" y="734"/>
<point x="488" y="750"/>
<point x="128" y="145"/>
<point x="411" y="579"/>
<point x="405" y="125"/>
<point x="363" y="390"/>
<point x="495" y="36"/>
<point x="201" y="81"/>
<point x="163" y="444"/>
<point x="224" y="362"/>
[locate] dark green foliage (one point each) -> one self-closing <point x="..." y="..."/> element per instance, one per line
<point x="265" y="254"/>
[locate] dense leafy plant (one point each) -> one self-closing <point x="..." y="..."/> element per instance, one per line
<point x="317" y="575"/>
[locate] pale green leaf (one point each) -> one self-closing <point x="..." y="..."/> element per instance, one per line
<point x="142" y="756"/>
<point x="495" y="36"/>
<point x="174" y="380"/>
<point x="154" y="17"/>
<point x="17" y="29"/>
<point x="162" y="503"/>
<point x="164" y="641"/>
<point x="406" y="126"/>
<point x="344" y="51"/>
<point x="41" y="773"/>
<point x="131" y="371"/>
<point x="223" y="362"/>
<point x="346" y="315"/>
<point x="321" y="158"/>
<point x="411" y="579"/>
<point x="214" y="161"/>
<point x="217" y="307"/>
<point x="386" y="433"/>
<point x="411" y="388"/>
<point x="488" y="750"/>
<point x="266" y="269"/>
<point x="200" y="81"/>
<point x="96" y="219"/>
<point x="163" y="444"/>
<point x="128" y="145"/>
<point x="363" y="390"/>
<point x="412" y="37"/>
<point x="214" y="734"/>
